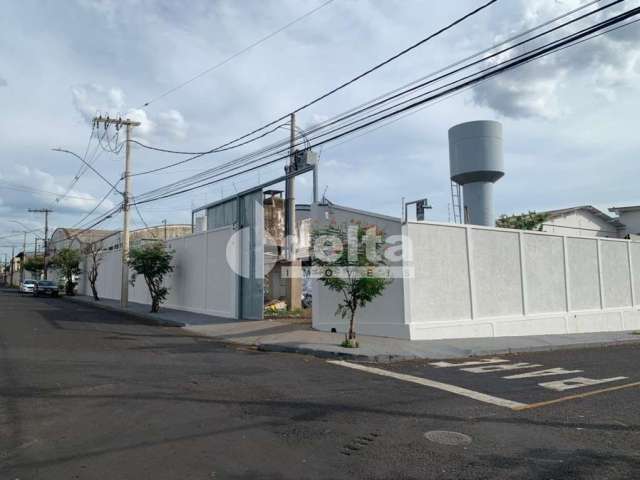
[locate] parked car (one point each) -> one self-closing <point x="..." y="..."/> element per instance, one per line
<point x="27" y="286"/>
<point x="45" y="287"/>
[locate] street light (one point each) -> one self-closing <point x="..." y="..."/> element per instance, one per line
<point x="88" y="165"/>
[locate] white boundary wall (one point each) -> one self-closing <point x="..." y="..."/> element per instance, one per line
<point x="202" y="280"/>
<point x="472" y="281"/>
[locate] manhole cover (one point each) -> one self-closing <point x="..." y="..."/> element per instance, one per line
<point x="448" y="438"/>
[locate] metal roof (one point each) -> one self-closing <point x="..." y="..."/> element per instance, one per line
<point x="588" y="208"/>
<point x="632" y="208"/>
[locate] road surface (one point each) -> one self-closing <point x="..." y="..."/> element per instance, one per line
<point x="88" y="394"/>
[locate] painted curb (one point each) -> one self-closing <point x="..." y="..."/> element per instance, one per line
<point x="145" y="318"/>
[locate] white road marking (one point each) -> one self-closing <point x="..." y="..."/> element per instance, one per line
<point x="484" y="361"/>
<point x="577" y="382"/>
<point x="481" y="397"/>
<point x="542" y="373"/>
<point x="500" y="368"/>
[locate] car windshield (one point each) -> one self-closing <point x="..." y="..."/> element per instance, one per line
<point x="29" y="282"/>
<point x="46" y="283"/>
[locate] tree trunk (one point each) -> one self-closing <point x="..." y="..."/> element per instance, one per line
<point x="352" y="331"/>
<point x="94" y="291"/>
<point x="69" y="288"/>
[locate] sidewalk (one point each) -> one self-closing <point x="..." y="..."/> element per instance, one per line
<point x="296" y="336"/>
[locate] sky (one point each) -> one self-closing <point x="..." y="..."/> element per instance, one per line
<point x="570" y="120"/>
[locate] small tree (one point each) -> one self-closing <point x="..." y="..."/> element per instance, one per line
<point x="67" y="261"/>
<point x="35" y="265"/>
<point x="348" y="257"/>
<point x="94" y="253"/>
<point x="153" y="262"/>
<point x="524" y="221"/>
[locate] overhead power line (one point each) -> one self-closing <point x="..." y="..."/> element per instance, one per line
<point x="284" y="145"/>
<point x="237" y="54"/>
<point x="23" y="188"/>
<point x="453" y="87"/>
<point x="228" y="145"/>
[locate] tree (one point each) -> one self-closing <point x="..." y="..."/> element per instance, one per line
<point x="524" y="221"/>
<point x="67" y="261"/>
<point x="94" y="252"/>
<point x="349" y="257"/>
<point x="153" y="262"/>
<point x="35" y="265"/>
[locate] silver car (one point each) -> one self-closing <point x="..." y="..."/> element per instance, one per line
<point x="27" y="286"/>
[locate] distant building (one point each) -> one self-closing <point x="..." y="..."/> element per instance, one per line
<point x="630" y="217"/>
<point x="75" y="238"/>
<point x="583" y="221"/>
<point x="113" y="241"/>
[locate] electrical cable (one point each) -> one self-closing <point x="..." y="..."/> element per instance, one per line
<point x="285" y="146"/>
<point x="237" y="54"/>
<point x="346" y="83"/>
<point x="564" y="42"/>
<point x="354" y="111"/>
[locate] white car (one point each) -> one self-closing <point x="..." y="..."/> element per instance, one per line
<point x="27" y="286"/>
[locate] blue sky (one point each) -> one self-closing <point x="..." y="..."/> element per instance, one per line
<point x="570" y="121"/>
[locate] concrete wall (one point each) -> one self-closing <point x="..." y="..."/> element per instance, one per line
<point x="384" y="316"/>
<point x="580" y="223"/>
<point x="480" y="282"/>
<point x="202" y="280"/>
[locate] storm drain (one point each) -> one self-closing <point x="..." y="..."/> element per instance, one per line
<point x="444" y="437"/>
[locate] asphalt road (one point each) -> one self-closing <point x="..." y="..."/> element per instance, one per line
<point x="88" y="394"/>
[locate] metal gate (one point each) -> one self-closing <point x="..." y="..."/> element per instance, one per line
<point x="251" y="224"/>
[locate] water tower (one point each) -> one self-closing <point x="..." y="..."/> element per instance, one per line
<point x="476" y="162"/>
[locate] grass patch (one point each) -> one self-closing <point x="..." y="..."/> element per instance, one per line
<point x="346" y="343"/>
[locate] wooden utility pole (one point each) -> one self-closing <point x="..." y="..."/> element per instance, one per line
<point x="46" y="212"/>
<point x="294" y="291"/>
<point x="126" y="200"/>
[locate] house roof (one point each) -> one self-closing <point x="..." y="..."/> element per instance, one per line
<point x="632" y="208"/>
<point x="82" y="235"/>
<point x="588" y="208"/>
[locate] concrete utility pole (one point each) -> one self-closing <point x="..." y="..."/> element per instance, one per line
<point x="46" y="212"/>
<point x="164" y="222"/>
<point x="13" y="254"/>
<point x="24" y="256"/>
<point x="126" y="200"/>
<point x="293" y="284"/>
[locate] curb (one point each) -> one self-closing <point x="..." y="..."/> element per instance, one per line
<point x="357" y="357"/>
<point x="390" y="358"/>
<point x="145" y="318"/>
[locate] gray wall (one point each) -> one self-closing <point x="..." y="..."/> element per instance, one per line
<point x="480" y="281"/>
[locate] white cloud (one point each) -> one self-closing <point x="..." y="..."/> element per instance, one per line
<point x="609" y="63"/>
<point x="25" y="188"/>
<point x="3" y="82"/>
<point x="94" y="99"/>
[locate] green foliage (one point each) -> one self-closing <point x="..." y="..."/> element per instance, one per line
<point x="295" y="313"/>
<point x="346" y="343"/>
<point x="357" y="289"/>
<point x="153" y="262"/>
<point x="67" y="261"/>
<point x="524" y="221"/>
<point x="34" y="264"/>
